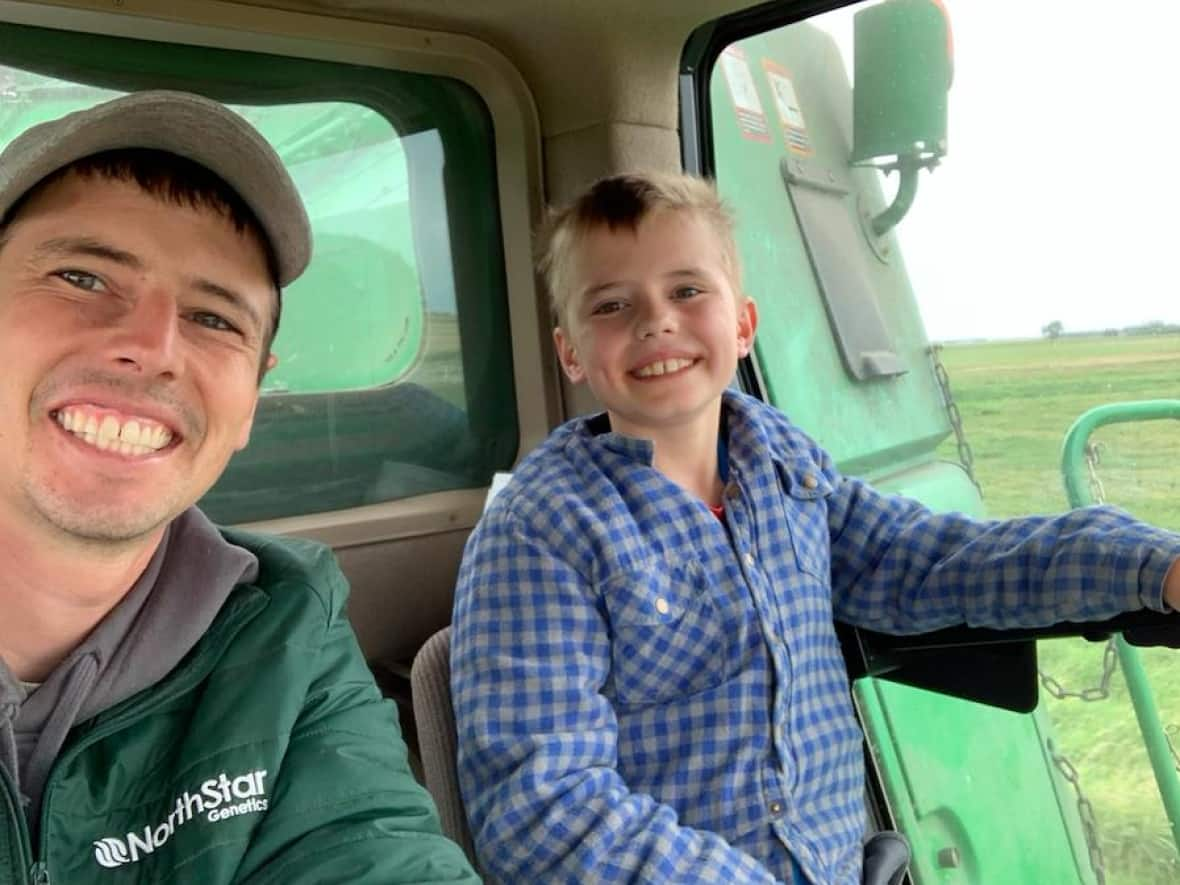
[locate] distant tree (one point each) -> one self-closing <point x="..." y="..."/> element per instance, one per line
<point x="1053" y="329"/>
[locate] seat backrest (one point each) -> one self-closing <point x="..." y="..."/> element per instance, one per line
<point x="430" y="684"/>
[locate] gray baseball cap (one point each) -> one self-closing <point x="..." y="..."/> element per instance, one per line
<point x="190" y="126"/>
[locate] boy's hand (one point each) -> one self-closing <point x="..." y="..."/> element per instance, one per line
<point x="1164" y="635"/>
<point x="1172" y="587"/>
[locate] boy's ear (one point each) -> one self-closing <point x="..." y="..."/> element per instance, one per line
<point x="746" y="326"/>
<point x="568" y="356"/>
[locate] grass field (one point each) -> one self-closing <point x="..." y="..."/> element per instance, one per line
<point x="1017" y="400"/>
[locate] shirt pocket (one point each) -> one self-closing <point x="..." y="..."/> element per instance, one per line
<point x="805" y="502"/>
<point x="667" y="639"/>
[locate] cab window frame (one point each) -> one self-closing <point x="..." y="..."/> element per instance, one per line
<point x="489" y="326"/>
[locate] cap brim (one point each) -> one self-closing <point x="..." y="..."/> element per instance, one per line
<point x="181" y="123"/>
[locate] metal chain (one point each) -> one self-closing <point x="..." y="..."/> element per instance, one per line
<point x="1099" y="692"/>
<point x="1085" y="812"/>
<point x="966" y="456"/>
<point x="1093" y="459"/>
<point x="1051" y="685"/>
<point x="1093" y="453"/>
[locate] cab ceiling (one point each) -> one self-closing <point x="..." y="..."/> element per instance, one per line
<point x="587" y="62"/>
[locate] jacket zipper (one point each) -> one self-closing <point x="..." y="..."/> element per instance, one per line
<point x="199" y="669"/>
<point x="24" y="849"/>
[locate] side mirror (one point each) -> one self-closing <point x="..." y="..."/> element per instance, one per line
<point x="903" y="68"/>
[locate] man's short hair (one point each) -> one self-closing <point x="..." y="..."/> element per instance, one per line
<point x="624" y="202"/>
<point x="173" y="179"/>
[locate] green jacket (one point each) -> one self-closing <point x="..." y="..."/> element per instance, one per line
<point x="267" y="755"/>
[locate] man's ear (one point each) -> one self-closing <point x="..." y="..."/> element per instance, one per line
<point x="568" y="356"/>
<point x="746" y="326"/>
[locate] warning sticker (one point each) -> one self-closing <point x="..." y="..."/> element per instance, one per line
<point x="787" y="103"/>
<point x="746" y="103"/>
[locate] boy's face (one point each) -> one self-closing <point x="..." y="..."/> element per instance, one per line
<point x="654" y="324"/>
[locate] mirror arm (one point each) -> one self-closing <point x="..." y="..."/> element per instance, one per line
<point x="907" y="189"/>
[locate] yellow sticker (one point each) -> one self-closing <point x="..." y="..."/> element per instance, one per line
<point x="786" y="101"/>
<point x="746" y="103"/>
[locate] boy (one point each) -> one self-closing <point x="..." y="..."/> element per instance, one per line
<point x="647" y="684"/>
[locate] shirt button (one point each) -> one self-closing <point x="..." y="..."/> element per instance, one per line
<point x="750" y="559"/>
<point x="662" y="606"/>
<point x="733" y="492"/>
<point x="776" y="808"/>
<point x="809" y="481"/>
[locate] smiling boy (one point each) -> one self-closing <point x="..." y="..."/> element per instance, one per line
<point x="674" y="276"/>
<point x="647" y="683"/>
<point x="177" y="702"/>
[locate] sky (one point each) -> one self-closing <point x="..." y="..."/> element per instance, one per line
<point x="1059" y="197"/>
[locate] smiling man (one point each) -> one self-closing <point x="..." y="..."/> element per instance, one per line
<point x="175" y="700"/>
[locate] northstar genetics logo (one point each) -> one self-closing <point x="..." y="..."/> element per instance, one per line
<point x="218" y="799"/>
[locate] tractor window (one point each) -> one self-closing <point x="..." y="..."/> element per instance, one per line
<point x="394" y="374"/>
<point x="1005" y="243"/>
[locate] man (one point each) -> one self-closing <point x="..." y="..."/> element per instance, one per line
<point x="176" y="702"/>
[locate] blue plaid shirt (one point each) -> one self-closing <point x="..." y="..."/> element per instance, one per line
<point x="644" y="694"/>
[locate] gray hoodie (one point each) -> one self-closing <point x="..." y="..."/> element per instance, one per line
<point x="139" y="642"/>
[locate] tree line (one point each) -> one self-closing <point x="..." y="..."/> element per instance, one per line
<point x="1056" y="329"/>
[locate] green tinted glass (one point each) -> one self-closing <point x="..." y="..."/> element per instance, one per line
<point x="394" y="372"/>
<point x="348" y="163"/>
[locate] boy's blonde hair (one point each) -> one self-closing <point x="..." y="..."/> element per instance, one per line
<point x="623" y="202"/>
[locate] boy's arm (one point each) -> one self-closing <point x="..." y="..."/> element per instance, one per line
<point x="538" y="741"/>
<point x="897" y="567"/>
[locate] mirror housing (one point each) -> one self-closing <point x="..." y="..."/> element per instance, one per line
<point x="902" y="71"/>
<point x="903" y="68"/>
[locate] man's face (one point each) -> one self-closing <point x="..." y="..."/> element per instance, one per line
<point x="655" y="325"/>
<point x="131" y="332"/>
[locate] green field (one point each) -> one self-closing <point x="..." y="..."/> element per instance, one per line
<point x="1018" y="399"/>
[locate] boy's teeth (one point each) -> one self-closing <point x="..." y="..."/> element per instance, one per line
<point x="135" y="436"/>
<point x="662" y="367"/>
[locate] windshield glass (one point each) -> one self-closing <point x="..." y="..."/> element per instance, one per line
<point x="1036" y="257"/>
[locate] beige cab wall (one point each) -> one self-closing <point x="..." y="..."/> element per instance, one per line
<point x="576" y="90"/>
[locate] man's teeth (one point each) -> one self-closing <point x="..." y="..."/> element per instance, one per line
<point x="132" y="437"/>
<point x="662" y="367"/>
